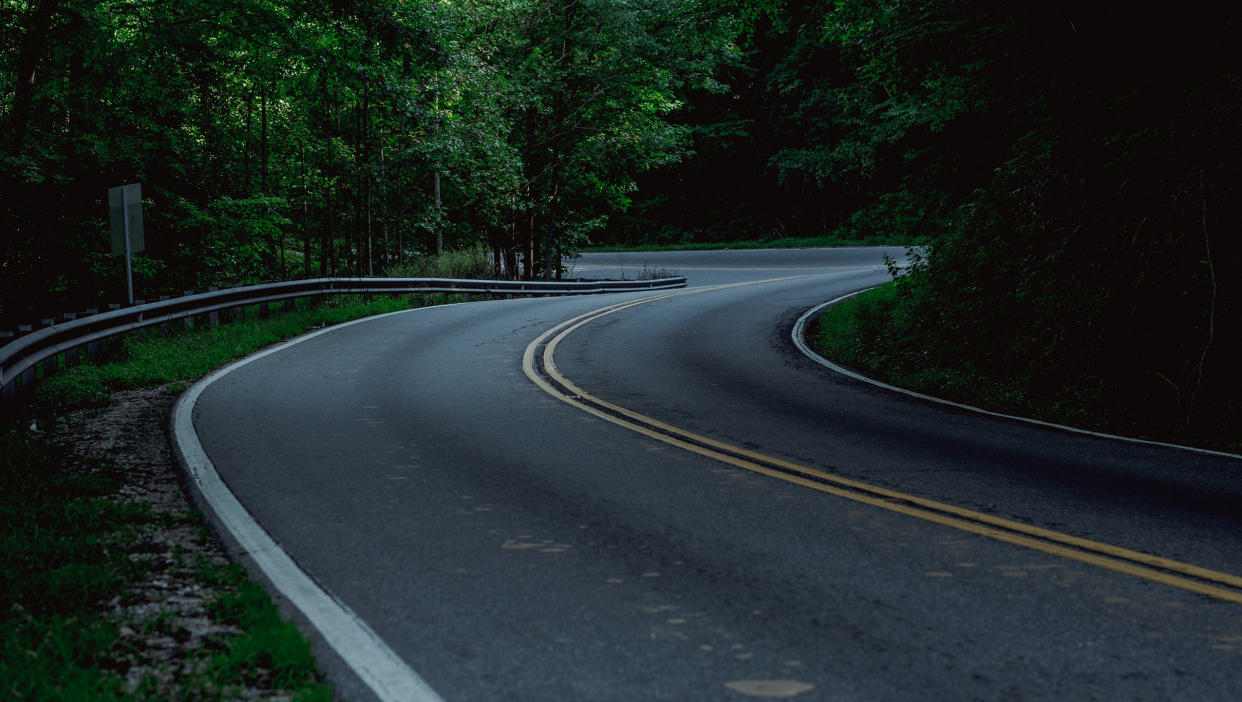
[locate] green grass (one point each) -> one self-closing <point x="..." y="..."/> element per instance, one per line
<point x="785" y="243"/>
<point x="871" y="333"/>
<point x="148" y="359"/>
<point x="271" y="651"/>
<point x="65" y="544"/>
<point x="472" y="263"/>
<point x="62" y="552"/>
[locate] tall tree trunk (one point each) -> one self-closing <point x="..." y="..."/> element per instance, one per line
<point x="325" y="251"/>
<point x="385" y="262"/>
<point x="439" y="227"/>
<point x="263" y="92"/>
<point x="248" y="145"/>
<point x="306" y="234"/>
<point x="549" y="242"/>
<point x="29" y="54"/>
<point x="400" y="228"/>
<point x="368" y="177"/>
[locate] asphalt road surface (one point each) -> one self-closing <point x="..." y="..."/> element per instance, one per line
<point x="670" y="501"/>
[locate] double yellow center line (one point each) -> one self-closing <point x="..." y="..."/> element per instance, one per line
<point x="538" y="362"/>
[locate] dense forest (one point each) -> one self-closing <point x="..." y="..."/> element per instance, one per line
<point x="1075" y="172"/>
<point x="278" y="138"/>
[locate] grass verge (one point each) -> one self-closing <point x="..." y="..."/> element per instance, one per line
<point x="61" y="553"/>
<point x="870" y="333"/>
<point x="864" y="334"/>
<point x="75" y="552"/>
<point x="73" y="559"/>
<point x="148" y="359"/>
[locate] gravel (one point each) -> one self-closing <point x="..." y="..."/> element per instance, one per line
<point x="167" y="634"/>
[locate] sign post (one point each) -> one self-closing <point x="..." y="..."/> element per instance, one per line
<point x="125" y="216"/>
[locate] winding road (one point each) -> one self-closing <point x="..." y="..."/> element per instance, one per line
<point x="658" y="496"/>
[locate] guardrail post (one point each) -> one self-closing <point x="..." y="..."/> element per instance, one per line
<point x="92" y="349"/>
<point x="51" y="364"/>
<point x="213" y="317"/>
<point x="187" y="321"/>
<point x="263" y="310"/>
<point x="71" y="355"/>
<point x="165" y="330"/>
<point x="288" y="304"/>
<point x="236" y="314"/>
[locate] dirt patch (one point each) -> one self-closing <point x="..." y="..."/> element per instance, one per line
<point x="168" y="634"/>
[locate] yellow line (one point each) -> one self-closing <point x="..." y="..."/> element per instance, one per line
<point x="1094" y="553"/>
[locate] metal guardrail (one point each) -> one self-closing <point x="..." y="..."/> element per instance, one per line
<point x="19" y="358"/>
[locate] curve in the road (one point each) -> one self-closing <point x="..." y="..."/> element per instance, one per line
<point x="540" y="366"/>
<point x="389" y="677"/>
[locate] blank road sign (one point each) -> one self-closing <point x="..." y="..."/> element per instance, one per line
<point x="125" y="203"/>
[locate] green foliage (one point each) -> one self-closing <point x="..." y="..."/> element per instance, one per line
<point x="329" y="139"/>
<point x="468" y="263"/>
<point x="231" y="240"/>
<point x="61" y="553"/>
<point x="271" y="652"/>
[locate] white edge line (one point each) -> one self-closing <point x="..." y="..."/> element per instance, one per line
<point x="389" y="677"/>
<point x="799" y="339"/>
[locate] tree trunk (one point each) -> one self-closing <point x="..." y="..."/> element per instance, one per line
<point x="30" y="53"/>
<point x="439" y="228"/>
<point x="306" y="234"/>
<point x="325" y="251"/>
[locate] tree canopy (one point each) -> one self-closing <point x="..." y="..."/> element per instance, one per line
<point x="277" y="138"/>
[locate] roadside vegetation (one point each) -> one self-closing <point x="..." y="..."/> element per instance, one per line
<point x="883" y="333"/>
<point x="77" y="555"/>
<point x="149" y="359"/>
<point x="82" y="583"/>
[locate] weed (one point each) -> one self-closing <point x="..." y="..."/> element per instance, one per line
<point x="473" y="264"/>
<point x="656" y="273"/>
<point x="61" y="554"/>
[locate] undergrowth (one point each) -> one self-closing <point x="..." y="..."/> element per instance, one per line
<point x="877" y="334"/>
<point x="66" y="546"/>
<point x="62" y="553"/>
